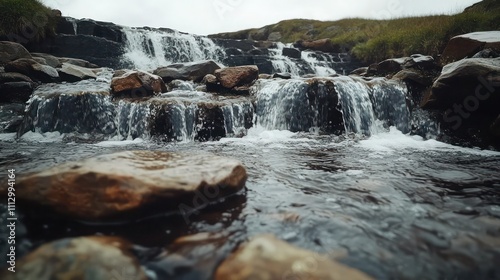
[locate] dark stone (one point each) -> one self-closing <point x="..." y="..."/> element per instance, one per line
<point x="210" y="119"/>
<point x="65" y="26"/>
<point x="238" y="60"/>
<point x="264" y="64"/>
<point x="193" y="71"/>
<point x="292" y="53"/>
<point x="258" y="52"/>
<point x="33" y="69"/>
<point x="94" y="49"/>
<point x="243" y="45"/>
<point x="15" y="92"/>
<point x="10" y="51"/>
<point x="14" y="77"/>
<point x="486" y="53"/>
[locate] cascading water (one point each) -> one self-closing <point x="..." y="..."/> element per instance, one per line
<point x="87" y="108"/>
<point x="148" y="49"/>
<point x="302" y="105"/>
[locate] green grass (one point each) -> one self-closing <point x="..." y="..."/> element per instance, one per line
<point x="376" y="40"/>
<point x="26" y="20"/>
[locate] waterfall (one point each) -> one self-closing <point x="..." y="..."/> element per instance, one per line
<point x="86" y="108"/>
<point x="149" y="49"/>
<point x="332" y="105"/>
<point x="322" y="64"/>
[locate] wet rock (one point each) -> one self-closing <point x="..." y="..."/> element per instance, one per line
<point x="137" y="84"/>
<point x="265" y="44"/>
<point x="292" y="53"/>
<point x="77" y="62"/>
<point x="360" y="71"/>
<point x="15" y="92"/>
<point x="238" y="76"/>
<point x="486" y="53"/>
<point x="467" y="45"/>
<point x="266" y="257"/>
<point x="11" y="117"/>
<point x="285" y="76"/>
<point x="413" y="75"/>
<point x="476" y="78"/>
<point x="130" y="183"/>
<point x="14" y="77"/>
<point x="72" y="73"/>
<point x="391" y="66"/>
<point x="33" y="69"/>
<point x="10" y="51"/>
<point x="192" y="71"/>
<point x="49" y="59"/>
<point x="233" y="51"/>
<point x="258" y="52"/>
<point x="323" y="45"/>
<point x="98" y="258"/>
<point x="265" y="76"/>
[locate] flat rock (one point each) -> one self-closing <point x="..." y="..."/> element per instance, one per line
<point x="193" y="71"/>
<point x="266" y="257"/>
<point x="72" y="73"/>
<point x="10" y="51"/>
<point x="467" y="45"/>
<point x="137" y="84"/>
<point x="97" y="258"/>
<point x="49" y="59"/>
<point x="109" y="185"/>
<point x="33" y="69"/>
<point x="237" y="76"/>
<point x="77" y="62"/>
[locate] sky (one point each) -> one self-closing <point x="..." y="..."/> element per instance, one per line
<point x="204" y="17"/>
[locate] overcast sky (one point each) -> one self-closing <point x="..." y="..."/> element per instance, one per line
<point x="213" y="16"/>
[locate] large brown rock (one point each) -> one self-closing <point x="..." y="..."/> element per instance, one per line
<point x="323" y="45"/>
<point x="238" y="76"/>
<point x="97" y="258"/>
<point x="33" y="69"/>
<point x="467" y="45"/>
<point x="124" y="183"/>
<point x="268" y="258"/>
<point x="192" y="71"/>
<point x="10" y="51"/>
<point x="137" y="84"/>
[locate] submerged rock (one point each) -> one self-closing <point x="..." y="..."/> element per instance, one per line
<point x="97" y="258"/>
<point x="137" y="84"/>
<point x="266" y="257"/>
<point x="124" y="183"/>
<point x="467" y="45"/>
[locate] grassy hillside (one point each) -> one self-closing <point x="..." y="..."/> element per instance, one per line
<point x="375" y="40"/>
<point x="29" y="19"/>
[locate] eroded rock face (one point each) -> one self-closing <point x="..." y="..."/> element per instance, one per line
<point x="137" y="84"/>
<point x="98" y="258"/>
<point x="193" y="71"/>
<point x="10" y="51"/>
<point x="266" y="257"/>
<point x="467" y="45"/>
<point x="107" y="186"/>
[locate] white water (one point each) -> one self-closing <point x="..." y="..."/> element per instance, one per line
<point x="150" y="49"/>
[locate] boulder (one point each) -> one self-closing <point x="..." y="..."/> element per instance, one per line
<point x="132" y="184"/>
<point x="137" y="84"/>
<point x="49" y="59"/>
<point x="40" y="60"/>
<point x="266" y="257"/>
<point x="486" y="53"/>
<point x="464" y="80"/>
<point x="193" y="71"/>
<point x="415" y="76"/>
<point x="323" y="45"/>
<point x="265" y="76"/>
<point x="98" y="258"/>
<point x="10" y="51"/>
<point x="292" y="53"/>
<point x="233" y="51"/>
<point x="238" y="76"/>
<point x="391" y="66"/>
<point x="33" y="69"/>
<point x="467" y="45"/>
<point x="362" y="71"/>
<point x="15" y="92"/>
<point x="72" y="73"/>
<point x="258" y="52"/>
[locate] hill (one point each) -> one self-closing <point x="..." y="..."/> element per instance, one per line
<point x="374" y="40"/>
